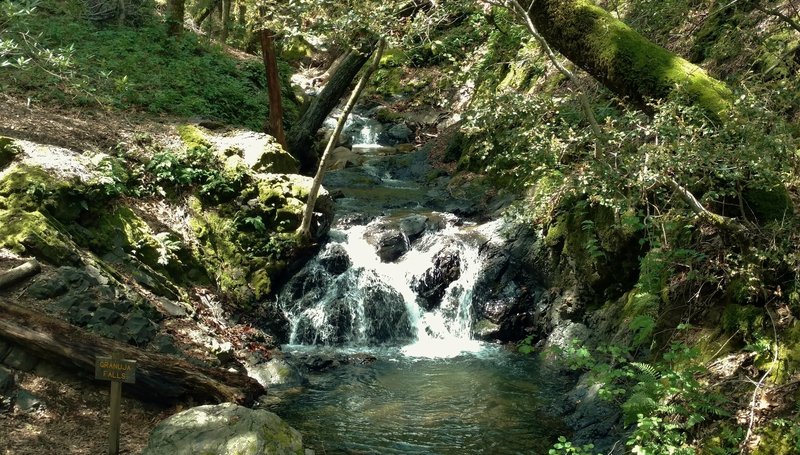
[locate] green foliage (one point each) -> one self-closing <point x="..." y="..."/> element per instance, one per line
<point x="663" y="400"/>
<point x="77" y="63"/>
<point x="564" y="447"/>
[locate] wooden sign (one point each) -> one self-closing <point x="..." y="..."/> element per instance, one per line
<point x="111" y="369"/>
<point x="117" y="370"/>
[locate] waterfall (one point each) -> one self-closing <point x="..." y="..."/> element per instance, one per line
<point x="348" y="296"/>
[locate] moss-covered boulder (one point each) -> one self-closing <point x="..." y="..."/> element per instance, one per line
<point x="224" y="429"/>
<point x="248" y="244"/>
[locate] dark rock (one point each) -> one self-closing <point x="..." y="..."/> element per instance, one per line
<point x="6" y="379"/>
<point x="27" y="402"/>
<point x="79" y="316"/>
<point x="413" y="225"/>
<point x="138" y="329"/>
<point x="114" y="332"/>
<point x="335" y="259"/>
<point x="46" y="288"/>
<point x="391" y="245"/>
<point x="104" y="316"/>
<point x="396" y="134"/>
<point x="20" y="359"/>
<point x="386" y="315"/>
<point x="165" y="344"/>
<point x="593" y="419"/>
<point x="432" y="285"/>
<point x="77" y="279"/>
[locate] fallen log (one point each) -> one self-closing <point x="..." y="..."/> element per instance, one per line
<point x="159" y="378"/>
<point x="19" y="273"/>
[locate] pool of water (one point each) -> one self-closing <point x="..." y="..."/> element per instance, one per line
<point x="488" y="401"/>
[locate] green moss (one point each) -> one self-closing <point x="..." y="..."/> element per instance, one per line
<point x="626" y="62"/>
<point x="296" y="49"/>
<point x="779" y="439"/>
<point x="8" y="150"/>
<point x="193" y="136"/>
<point x="746" y="319"/>
<point x="36" y="234"/>
<point x="394" y="57"/>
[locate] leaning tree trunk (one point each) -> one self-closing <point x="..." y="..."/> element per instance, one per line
<point x="159" y="377"/>
<point x="275" y="119"/>
<point x="620" y="58"/>
<point x="301" y="137"/>
<point x="308" y="214"/>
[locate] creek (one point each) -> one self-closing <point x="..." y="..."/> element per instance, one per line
<point x="388" y="307"/>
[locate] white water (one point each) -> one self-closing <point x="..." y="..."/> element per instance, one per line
<point x="442" y="332"/>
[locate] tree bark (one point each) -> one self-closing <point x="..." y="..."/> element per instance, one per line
<point x="301" y="137"/>
<point x="207" y="12"/>
<point x="620" y="58"/>
<point x="308" y="214"/>
<point x="19" y="273"/>
<point x="275" y="119"/>
<point x="159" y="377"/>
<point x="226" y="17"/>
<point x="175" y="13"/>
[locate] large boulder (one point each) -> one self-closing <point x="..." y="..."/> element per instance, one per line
<point x="224" y="429"/>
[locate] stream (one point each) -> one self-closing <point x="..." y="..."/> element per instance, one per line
<point x="394" y="289"/>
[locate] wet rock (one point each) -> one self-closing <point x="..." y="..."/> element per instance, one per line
<point x="413" y="225"/>
<point x="391" y="245"/>
<point x="432" y="285"/>
<point x="276" y="372"/>
<point x="335" y="259"/>
<point x="396" y="134"/>
<point x="27" y="402"/>
<point x="386" y="315"/>
<point x="224" y="429"/>
<point x="593" y="419"/>
<point x="20" y="359"/>
<point x="565" y="333"/>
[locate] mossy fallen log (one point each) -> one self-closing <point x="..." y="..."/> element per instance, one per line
<point x="627" y="63"/>
<point x="159" y="378"/>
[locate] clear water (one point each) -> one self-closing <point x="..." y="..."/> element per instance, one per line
<point x="488" y="402"/>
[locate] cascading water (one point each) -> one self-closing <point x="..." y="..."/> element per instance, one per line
<point x="396" y="283"/>
<point x="371" y="302"/>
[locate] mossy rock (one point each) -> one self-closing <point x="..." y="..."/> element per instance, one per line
<point x="194" y="136"/>
<point x="8" y="150"/>
<point x="296" y="49"/>
<point x="36" y="234"/>
<point x="748" y="320"/>
<point x="769" y="204"/>
<point x="274" y="159"/>
<point x="778" y="440"/>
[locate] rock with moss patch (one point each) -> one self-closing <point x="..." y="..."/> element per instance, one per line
<point x="8" y="150"/>
<point x="224" y="429"/>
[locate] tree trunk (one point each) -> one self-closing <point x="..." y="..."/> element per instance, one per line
<point x="175" y="14"/>
<point x="19" y="273"/>
<point x="275" y="120"/>
<point x="308" y="214"/>
<point x="620" y="58"/>
<point x="301" y="137"/>
<point x="242" y="17"/>
<point x="158" y="377"/>
<point x="207" y="12"/>
<point x="226" y="17"/>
